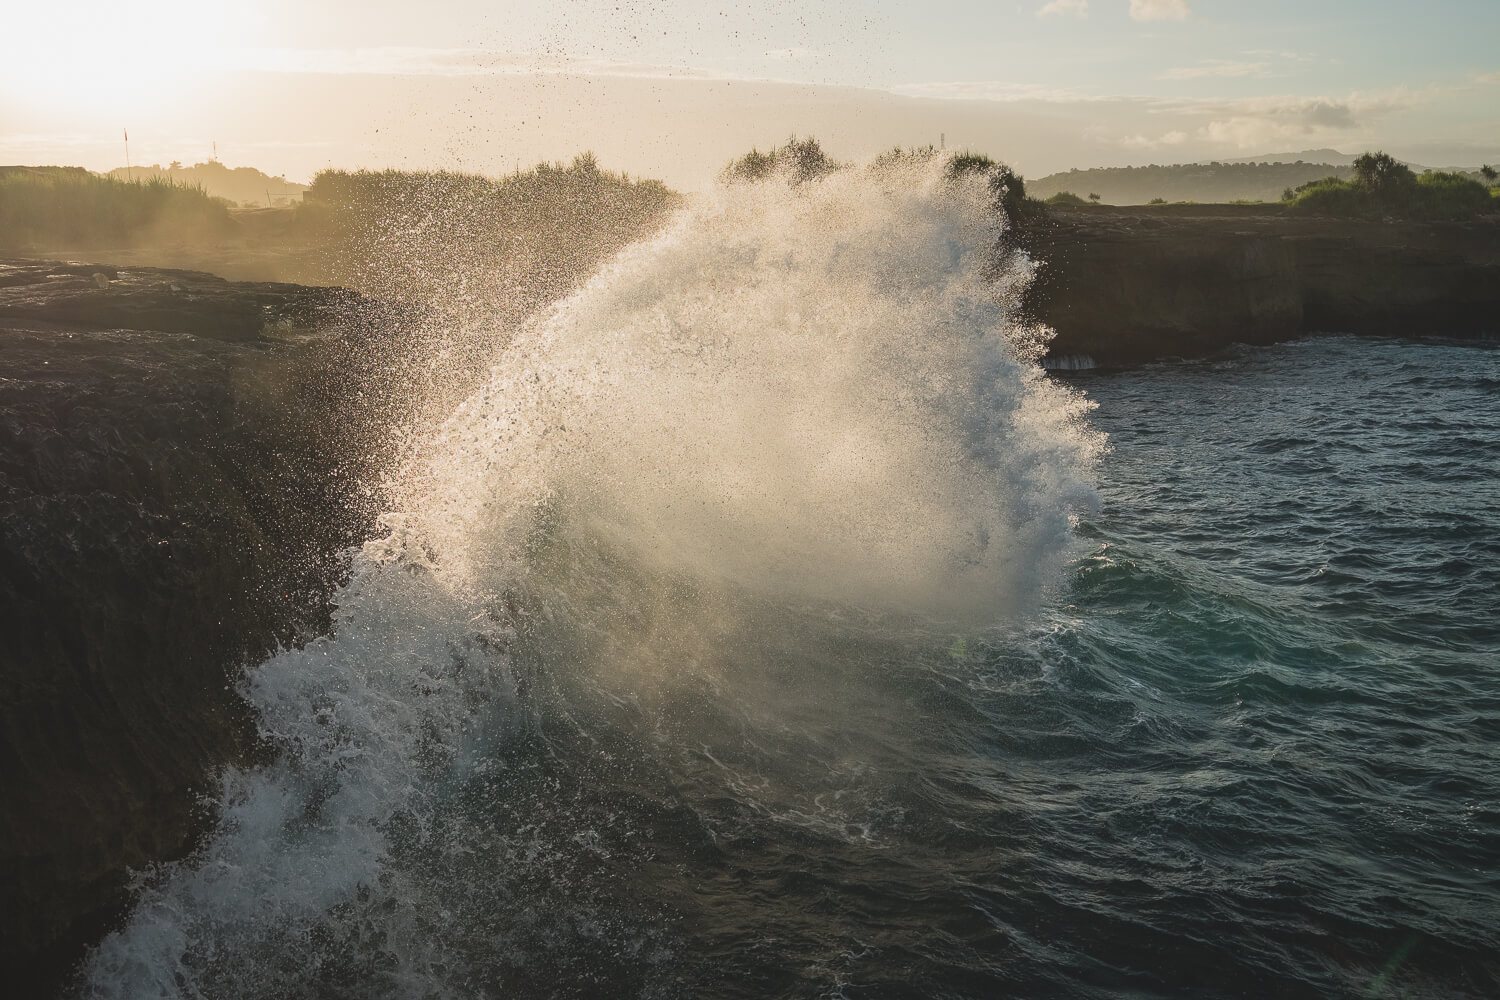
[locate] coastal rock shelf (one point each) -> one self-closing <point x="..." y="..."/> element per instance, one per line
<point x="173" y="499"/>
<point x="1122" y="285"/>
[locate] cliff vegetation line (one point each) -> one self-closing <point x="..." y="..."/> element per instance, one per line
<point x="1380" y="186"/>
<point x="58" y="205"/>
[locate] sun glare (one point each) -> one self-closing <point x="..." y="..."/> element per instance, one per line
<point x="101" y="55"/>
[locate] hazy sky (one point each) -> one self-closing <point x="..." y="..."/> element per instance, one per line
<point x="672" y="88"/>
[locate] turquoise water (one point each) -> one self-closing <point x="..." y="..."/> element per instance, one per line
<point x="1275" y="694"/>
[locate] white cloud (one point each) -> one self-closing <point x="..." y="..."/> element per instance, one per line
<point x="1215" y="68"/>
<point x="1256" y="122"/>
<point x="1072" y="8"/>
<point x="1159" y="10"/>
<point x="1173" y="138"/>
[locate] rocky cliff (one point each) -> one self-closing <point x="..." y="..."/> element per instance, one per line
<point x="1125" y="285"/>
<point x="177" y="480"/>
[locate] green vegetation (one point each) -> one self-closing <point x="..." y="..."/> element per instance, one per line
<point x="800" y="160"/>
<point x="1381" y="186"/>
<point x="503" y="244"/>
<point x="527" y="237"/>
<point x="68" y="206"/>
<point x="1066" y="198"/>
<point x="1007" y="186"/>
<point x="803" y="160"/>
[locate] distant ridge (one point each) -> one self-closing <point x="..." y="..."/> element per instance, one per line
<point x="1213" y="183"/>
<point x="239" y="185"/>
<point x="1332" y="157"/>
<point x="1253" y="179"/>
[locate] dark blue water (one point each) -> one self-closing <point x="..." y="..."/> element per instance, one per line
<point x="1273" y="704"/>
<point x="1251" y="747"/>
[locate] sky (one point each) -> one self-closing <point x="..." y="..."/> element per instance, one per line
<point x="672" y="88"/>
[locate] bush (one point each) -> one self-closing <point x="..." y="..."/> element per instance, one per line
<point x="1008" y="187"/>
<point x="70" y="207"/>
<point x="1331" y="196"/>
<point x="1066" y="198"/>
<point x="898" y="156"/>
<point x="1445" y="195"/>
<point x="1384" y="187"/>
<point x="531" y="235"/>
<point x="800" y="160"/>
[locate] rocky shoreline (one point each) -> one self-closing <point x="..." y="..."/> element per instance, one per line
<point x="183" y="459"/>
<point x="178" y="478"/>
<point x="1125" y="285"/>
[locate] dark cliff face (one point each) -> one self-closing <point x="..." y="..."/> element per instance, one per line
<point x="1126" y="285"/>
<point x="175" y="492"/>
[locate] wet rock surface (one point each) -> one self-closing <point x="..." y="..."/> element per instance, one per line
<point x="1122" y="285"/>
<point x="177" y="481"/>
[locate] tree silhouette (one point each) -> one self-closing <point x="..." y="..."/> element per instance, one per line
<point x="1382" y="172"/>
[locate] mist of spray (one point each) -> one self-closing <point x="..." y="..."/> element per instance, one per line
<point x="808" y="395"/>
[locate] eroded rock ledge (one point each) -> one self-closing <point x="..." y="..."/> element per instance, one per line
<point x="178" y="476"/>
<point x="1123" y="285"/>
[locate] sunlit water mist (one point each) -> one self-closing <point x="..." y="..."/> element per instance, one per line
<point x="739" y="483"/>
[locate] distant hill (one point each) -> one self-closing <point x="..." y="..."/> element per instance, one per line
<point x="1217" y="182"/>
<point x="240" y="185"/>
<point x="1330" y="156"/>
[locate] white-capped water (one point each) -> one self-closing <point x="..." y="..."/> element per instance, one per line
<point x="815" y="395"/>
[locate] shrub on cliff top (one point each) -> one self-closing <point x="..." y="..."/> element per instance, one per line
<point x="70" y="207"/>
<point x="1008" y="187"/>
<point x="1383" y="187"/>
<point x="799" y="160"/>
<point x="1445" y="195"/>
<point x="524" y="237"/>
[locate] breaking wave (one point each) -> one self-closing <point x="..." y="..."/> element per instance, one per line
<point x="806" y="418"/>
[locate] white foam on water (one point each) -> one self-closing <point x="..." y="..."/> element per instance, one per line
<point x="814" y="393"/>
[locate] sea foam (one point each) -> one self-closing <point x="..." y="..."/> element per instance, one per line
<point x="815" y="394"/>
